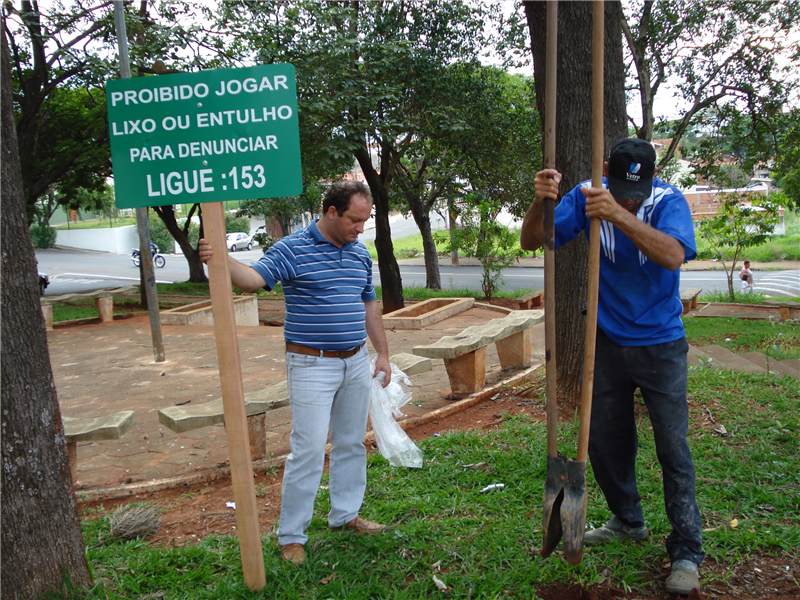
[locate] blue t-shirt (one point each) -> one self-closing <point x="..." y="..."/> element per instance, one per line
<point x="639" y="301"/>
<point x="325" y="288"/>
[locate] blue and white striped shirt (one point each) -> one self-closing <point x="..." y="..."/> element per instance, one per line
<point x="325" y="288"/>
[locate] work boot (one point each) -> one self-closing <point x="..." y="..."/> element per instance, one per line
<point x="615" y="530"/>
<point x="360" y="525"/>
<point x="685" y="577"/>
<point x="293" y="553"/>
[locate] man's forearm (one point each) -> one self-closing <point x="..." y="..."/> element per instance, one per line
<point x="244" y="277"/>
<point x="659" y="247"/>
<point x="531" y="236"/>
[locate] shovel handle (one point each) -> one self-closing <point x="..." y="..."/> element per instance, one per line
<point x="598" y="19"/>
<point x="551" y="375"/>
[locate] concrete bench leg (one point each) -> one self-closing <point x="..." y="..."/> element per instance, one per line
<point x="47" y="313"/>
<point x="72" y="455"/>
<point x="105" y="308"/>
<point x="257" y="432"/>
<point x="467" y="372"/>
<point x="516" y="351"/>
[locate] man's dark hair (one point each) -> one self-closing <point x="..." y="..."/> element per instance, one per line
<point x="339" y="194"/>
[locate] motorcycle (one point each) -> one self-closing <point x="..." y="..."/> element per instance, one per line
<point x="158" y="260"/>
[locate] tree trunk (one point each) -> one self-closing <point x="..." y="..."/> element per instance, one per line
<point x="391" y="282"/>
<point x="167" y="213"/>
<point x="42" y="543"/>
<point x="433" y="279"/>
<point x="574" y="154"/>
<point x="421" y="213"/>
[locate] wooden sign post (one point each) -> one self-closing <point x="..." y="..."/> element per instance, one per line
<point x="230" y="373"/>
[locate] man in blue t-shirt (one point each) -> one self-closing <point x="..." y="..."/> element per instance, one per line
<point x="646" y="234"/>
<point x="331" y="308"/>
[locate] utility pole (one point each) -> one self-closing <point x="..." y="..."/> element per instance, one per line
<point x="147" y="277"/>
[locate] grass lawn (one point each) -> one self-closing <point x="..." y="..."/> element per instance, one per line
<point x="485" y="545"/>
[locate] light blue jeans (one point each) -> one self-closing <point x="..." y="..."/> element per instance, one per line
<point x="327" y="394"/>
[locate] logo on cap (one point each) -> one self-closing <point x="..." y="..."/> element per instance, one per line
<point x="633" y="172"/>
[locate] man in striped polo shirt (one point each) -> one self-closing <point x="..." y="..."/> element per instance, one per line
<point x="331" y="308"/>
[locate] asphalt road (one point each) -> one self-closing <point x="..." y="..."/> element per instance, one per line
<point x="75" y="271"/>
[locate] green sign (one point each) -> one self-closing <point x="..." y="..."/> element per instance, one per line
<point x="226" y="134"/>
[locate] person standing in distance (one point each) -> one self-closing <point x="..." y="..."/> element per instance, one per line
<point x="746" y="275"/>
<point x="331" y="308"/>
<point x="646" y="234"/>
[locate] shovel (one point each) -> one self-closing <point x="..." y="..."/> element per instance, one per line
<point x="573" y="507"/>
<point x="556" y="465"/>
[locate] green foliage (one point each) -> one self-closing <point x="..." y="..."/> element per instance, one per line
<point x="737" y="226"/>
<point x="482" y="237"/>
<point x="263" y="238"/>
<point x="61" y="56"/>
<point x="732" y="64"/>
<point x="43" y="236"/>
<point x="285" y="210"/>
<point x="160" y="236"/>
<point x="779" y="247"/>
<point x="787" y="159"/>
<point x="234" y="224"/>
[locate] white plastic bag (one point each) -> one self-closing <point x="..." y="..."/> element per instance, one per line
<point x="385" y="403"/>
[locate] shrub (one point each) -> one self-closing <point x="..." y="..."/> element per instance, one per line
<point x="43" y="236"/>
<point x="234" y="224"/>
<point x="160" y="236"/>
<point x="263" y="238"/>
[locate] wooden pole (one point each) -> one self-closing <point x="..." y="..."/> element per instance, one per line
<point x="551" y="373"/>
<point x="230" y="373"/>
<point x="598" y="24"/>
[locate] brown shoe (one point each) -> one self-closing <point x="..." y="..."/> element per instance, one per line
<point x="360" y="525"/>
<point x="293" y="553"/>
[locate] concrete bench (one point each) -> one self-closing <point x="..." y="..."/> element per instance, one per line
<point x="103" y="299"/>
<point x="530" y="300"/>
<point x="789" y="310"/>
<point x="689" y="299"/>
<point x="465" y="354"/>
<point x="109" y="427"/>
<point x="188" y="417"/>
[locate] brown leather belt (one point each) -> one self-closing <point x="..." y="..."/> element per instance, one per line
<point x="308" y="351"/>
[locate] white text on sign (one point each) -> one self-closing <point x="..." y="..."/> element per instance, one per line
<point x="201" y="181"/>
<point x="187" y="92"/>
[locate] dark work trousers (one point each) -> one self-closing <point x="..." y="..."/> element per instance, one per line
<point x="660" y="372"/>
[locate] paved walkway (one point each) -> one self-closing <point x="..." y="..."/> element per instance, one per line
<point x="103" y="368"/>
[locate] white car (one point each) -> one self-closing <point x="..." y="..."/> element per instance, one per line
<point x="239" y="241"/>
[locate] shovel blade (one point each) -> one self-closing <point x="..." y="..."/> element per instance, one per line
<point x="573" y="511"/>
<point x="553" y="498"/>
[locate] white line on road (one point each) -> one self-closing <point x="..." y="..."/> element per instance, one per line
<point x="93" y="277"/>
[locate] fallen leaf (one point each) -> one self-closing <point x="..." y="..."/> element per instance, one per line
<point x="475" y="466"/>
<point x="734" y="523"/>
<point x="720" y="429"/>
<point x="439" y="584"/>
<point x="328" y="579"/>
